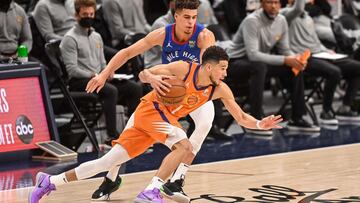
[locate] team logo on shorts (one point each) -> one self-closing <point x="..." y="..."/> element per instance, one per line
<point x="192" y="43"/>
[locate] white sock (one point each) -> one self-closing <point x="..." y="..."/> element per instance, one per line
<point x="156" y="182"/>
<point x="58" y="179"/>
<point x="180" y="172"/>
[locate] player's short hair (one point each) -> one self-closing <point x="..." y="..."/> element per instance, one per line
<point x="84" y="3"/>
<point x="214" y="54"/>
<point x="186" y="4"/>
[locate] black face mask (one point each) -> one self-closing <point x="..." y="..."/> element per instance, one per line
<point x="5" y="5"/>
<point x="86" y="22"/>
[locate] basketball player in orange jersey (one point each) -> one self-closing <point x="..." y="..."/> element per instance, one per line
<point x="185" y="40"/>
<point x="153" y="122"/>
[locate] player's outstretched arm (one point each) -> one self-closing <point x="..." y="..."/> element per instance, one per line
<point x="224" y="93"/>
<point x="154" y="38"/>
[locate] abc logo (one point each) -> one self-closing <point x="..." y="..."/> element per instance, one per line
<point x="24" y="129"/>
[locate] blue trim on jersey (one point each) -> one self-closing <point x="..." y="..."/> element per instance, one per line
<point x="175" y="51"/>
<point x="156" y="105"/>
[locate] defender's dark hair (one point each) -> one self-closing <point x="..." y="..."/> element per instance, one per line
<point x="214" y="53"/>
<point x="186" y="4"/>
<point x="84" y="3"/>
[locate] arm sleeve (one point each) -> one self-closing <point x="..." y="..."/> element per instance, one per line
<point x="43" y="22"/>
<point x="251" y="40"/>
<point x="69" y="54"/>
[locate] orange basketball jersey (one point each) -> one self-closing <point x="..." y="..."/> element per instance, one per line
<point x="194" y="98"/>
<point x="143" y="133"/>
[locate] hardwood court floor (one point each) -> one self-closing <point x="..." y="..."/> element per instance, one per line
<point x="319" y="175"/>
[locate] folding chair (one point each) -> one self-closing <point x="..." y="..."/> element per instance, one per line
<point x="315" y="88"/>
<point x="84" y="118"/>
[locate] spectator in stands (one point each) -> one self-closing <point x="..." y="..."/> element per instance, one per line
<point x="83" y="55"/>
<point x="320" y="11"/>
<point x="124" y="18"/>
<point x="302" y="36"/>
<point x="54" y="18"/>
<point x="251" y="58"/>
<point x="14" y="29"/>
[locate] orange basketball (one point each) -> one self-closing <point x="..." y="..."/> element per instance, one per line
<point x="176" y="94"/>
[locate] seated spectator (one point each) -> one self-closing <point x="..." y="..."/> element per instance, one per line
<point x="54" y="18"/>
<point x="83" y="55"/>
<point x="14" y="29"/>
<point x="302" y="36"/>
<point x="320" y="11"/>
<point x="250" y="59"/>
<point x="124" y="18"/>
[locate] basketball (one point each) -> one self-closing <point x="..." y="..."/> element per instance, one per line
<point x="176" y="94"/>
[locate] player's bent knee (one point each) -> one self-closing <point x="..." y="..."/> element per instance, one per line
<point x="185" y="145"/>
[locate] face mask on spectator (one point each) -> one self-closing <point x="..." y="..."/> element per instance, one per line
<point x="86" y="22"/>
<point x="5" y="5"/>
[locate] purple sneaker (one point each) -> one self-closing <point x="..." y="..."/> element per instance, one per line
<point x="149" y="196"/>
<point x="42" y="187"/>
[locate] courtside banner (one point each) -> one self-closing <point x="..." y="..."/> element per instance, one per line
<point x="23" y="119"/>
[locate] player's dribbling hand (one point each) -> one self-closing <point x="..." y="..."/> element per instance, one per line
<point x="159" y="85"/>
<point x="96" y="83"/>
<point x="271" y="122"/>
